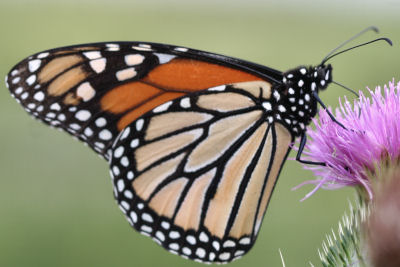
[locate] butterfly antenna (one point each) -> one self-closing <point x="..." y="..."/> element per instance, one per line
<point x="351" y="91"/>
<point x="347" y="88"/>
<point x="371" y="28"/>
<point x="351" y="48"/>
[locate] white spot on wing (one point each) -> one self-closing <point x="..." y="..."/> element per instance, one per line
<point x="85" y="91"/>
<point x="133" y="216"/>
<point x="26" y="94"/>
<point x="100" y="122"/>
<point x="134" y="143"/>
<point x="187" y="251"/>
<point x="165" y="225"/>
<point x="99" y="145"/>
<point x="191" y="239"/>
<point x="160" y="236"/>
<point x="162" y="107"/>
<point x="181" y="49"/>
<point x="83" y="115"/>
<point x="141" y="48"/>
<point x="125" y="162"/>
<point x="185" y="102"/>
<point x="125" y="205"/>
<point x="18" y="90"/>
<point x="200" y="252"/>
<point x="139" y="124"/>
<point x="119" y="152"/>
<point x="212" y="256"/>
<point x="135" y="59"/>
<point x="267" y="106"/>
<point x="43" y="55"/>
<point x="224" y="256"/>
<point x="105" y="134"/>
<point x="128" y="194"/>
<point x="31" y="105"/>
<point x="174" y="246"/>
<point x="60" y="117"/>
<point x="88" y="132"/>
<point x="164" y="58"/>
<point x="147" y="217"/>
<point x="215" y="244"/>
<point x="229" y="244"/>
<point x="125" y="133"/>
<point x="92" y="54"/>
<point x="217" y="88"/>
<point x="126" y="74"/>
<point x="120" y="185"/>
<point x="39" y="96"/>
<point x="203" y="237"/>
<point x="31" y="79"/>
<point x="51" y="115"/>
<point x="116" y="171"/>
<point x="34" y="65"/>
<point x="55" y="106"/>
<point x="98" y="65"/>
<point x="129" y="175"/>
<point x="14" y="72"/>
<point x="75" y="126"/>
<point x="16" y="80"/>
<point x="174" y="234"/>
<point x="112" y="47"/>
<point x="239" y="253"/>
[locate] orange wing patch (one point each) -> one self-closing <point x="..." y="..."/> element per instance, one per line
<point x="127" y="96"/>
<point x="194" y="75"/>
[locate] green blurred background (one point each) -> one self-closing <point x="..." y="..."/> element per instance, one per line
<point x="56" y="203"/>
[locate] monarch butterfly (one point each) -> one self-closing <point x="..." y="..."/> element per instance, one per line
<point x="195" y="140"/>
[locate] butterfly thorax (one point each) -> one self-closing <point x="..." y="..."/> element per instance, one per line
<point x="295" y="104"/>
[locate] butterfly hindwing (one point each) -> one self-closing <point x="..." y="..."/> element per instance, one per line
<point x="197" y="172"/>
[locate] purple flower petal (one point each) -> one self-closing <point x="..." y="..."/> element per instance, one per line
<point x="372" y="136"/>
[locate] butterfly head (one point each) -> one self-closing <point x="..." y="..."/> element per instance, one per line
<point x="321" y="75"/>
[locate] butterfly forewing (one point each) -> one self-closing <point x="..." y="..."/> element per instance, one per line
<point x="94" y="91"/>
<point x="196" y="173"/>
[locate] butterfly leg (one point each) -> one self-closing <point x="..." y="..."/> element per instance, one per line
<point x="303" y="142"/>
<point x="315" y="94"/>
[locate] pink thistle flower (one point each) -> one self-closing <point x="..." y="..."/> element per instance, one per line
<point x="371" y="140"/>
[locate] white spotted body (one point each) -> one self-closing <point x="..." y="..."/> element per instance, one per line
<point x="294" y="102"/>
